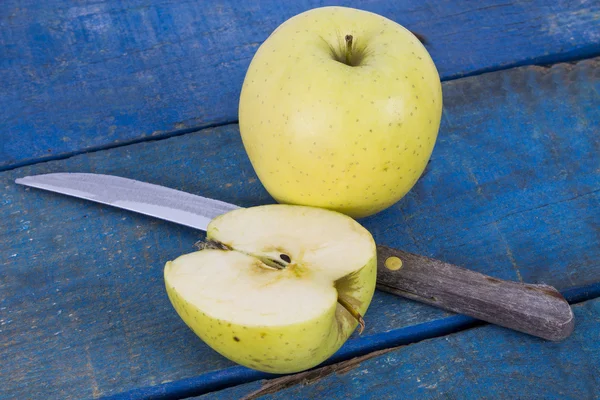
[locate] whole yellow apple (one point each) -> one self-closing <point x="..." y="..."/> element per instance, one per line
<point x="340" y="109"/>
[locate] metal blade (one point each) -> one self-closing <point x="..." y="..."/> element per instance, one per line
<point x="145" y="198"/>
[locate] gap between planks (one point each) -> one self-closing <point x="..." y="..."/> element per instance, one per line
<point x="347" y="358"/>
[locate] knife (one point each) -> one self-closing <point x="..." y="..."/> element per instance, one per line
<point x="536" y="309"/>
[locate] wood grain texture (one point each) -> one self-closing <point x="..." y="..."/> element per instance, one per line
<point x="512" y="191"/>
<point x="95" y="74"/>
<point x="539" y="310"/>
<point x="482" y="363"/>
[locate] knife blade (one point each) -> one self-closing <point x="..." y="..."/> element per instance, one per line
<point x="535" y="309"/>
<point x="141" y="197"/>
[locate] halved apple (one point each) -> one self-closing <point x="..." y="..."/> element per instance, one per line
<point x="276" y="288"/>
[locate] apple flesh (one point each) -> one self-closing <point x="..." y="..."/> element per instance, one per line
<point x="340" y="108"/>
<point x="277" y="288"/>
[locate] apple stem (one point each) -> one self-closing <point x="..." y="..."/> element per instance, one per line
<point x="212" y="245"/>
<point x="354" y="313"/>
<point x="349" y="40"/>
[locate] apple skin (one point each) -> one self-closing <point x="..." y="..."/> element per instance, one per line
<point x="318" y="132"/>
<point x="277" y="349"/>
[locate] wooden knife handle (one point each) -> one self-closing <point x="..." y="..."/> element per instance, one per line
<point x="538" y="310"/>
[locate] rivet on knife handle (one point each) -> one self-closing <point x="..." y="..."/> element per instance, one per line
<point x="538" y="310"/>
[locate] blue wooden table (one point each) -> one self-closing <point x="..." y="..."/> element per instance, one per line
<point x="149" y="89"/>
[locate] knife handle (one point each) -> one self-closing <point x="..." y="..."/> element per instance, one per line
<point x="539" y="310"/>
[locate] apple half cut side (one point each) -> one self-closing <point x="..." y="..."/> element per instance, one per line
<point x="277" y="288"/>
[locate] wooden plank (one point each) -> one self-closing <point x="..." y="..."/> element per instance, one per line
<point x="511" y="191"/>
<point x="486" y="362"/>
<point x="84" y="76"/>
